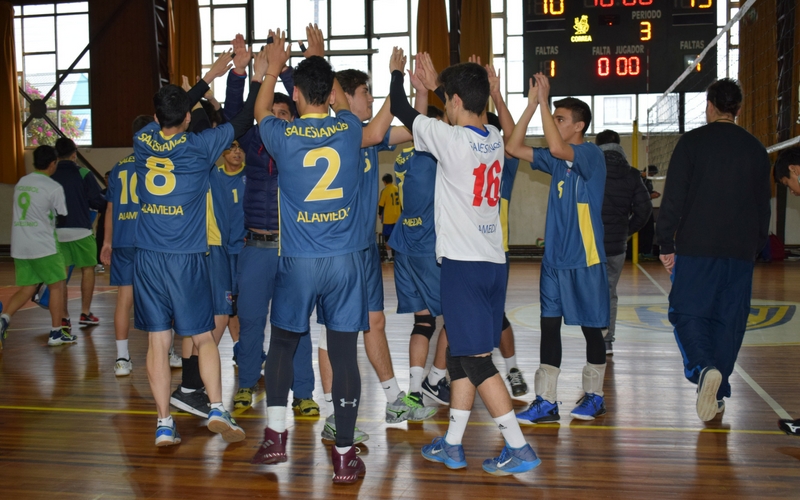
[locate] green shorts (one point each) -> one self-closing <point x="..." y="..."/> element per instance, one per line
<point x="50" y="269"/>
<point x="79" y="253"/>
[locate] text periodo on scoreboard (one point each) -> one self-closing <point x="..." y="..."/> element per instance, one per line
<point x="617" y="46"/>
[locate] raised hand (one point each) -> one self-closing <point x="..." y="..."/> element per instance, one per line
<point x="185" y="83"/>
<point x="241" y="54"/>
<point x="475" y="59"/>
<point x="278" y="52"/>
<point x="533" y="93"/>
<point x="543" y="87"/>
<point x="260" y="65"/>
<point x="428" y="75"/>
<point x="220" y="67"/>
<point x="415" y="77"/>
<point x="316" y="42"/>
<point x="494" y="79"/>
<point x="398" y="61"/>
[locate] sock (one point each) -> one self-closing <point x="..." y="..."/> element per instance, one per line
<point x="458" y="424"/>
<point x="329" y="403"/>
<point x="343" y="450"/>
<point x="391" y="389"/>
<point x="166" y="422"/>
<point x="509" y="426"/>
<point x="511" y="362"/>
<point x="435" y="375"/>
<point x="122" y="350"/>
<point x="187" y="391"/>
<point x="218" y="406"/>
<point x="415" y="379"/>
<point x="8" y="320"/>
<point x="276" y="418"/>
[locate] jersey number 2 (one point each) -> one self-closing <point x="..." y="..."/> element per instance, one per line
<point x="486" y="177"/>
<point x="322" y="190"/>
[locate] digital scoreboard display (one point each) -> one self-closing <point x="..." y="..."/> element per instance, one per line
<point x="601" y="47"/>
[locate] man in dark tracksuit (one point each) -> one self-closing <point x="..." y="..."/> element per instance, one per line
<point x="715" y="217"/>
<point x="258" y="260"/>
<point x="626" y="208"/>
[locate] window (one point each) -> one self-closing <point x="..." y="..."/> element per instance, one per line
<point x="48" y="40"/>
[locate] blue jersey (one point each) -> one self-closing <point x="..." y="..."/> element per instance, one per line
<point x="173" y="185"/>
<point x="122" y="192"/>
<point x="227" y="190"/>
<point x="506" y="186"/>
<point x="370" y="187"/>
<point x="415" y="231"/>
<point x="574" y="228"/>
<point x="321" y="170"/>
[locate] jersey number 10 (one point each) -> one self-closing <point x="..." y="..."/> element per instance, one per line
<point x="488" y="177"/>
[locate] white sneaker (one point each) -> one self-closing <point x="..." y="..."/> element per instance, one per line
<point x="123" y="367"/>
<point x="175" y="361"/>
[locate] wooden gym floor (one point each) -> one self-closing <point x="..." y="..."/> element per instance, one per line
<point x="71" y="429"/>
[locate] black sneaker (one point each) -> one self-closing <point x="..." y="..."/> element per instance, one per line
<point x="790" y="427"/>
<point x="195" y="402"/>
<point x="609" y="348"/>
<point x="517" y="381"/>
<point x="439" y="392"/>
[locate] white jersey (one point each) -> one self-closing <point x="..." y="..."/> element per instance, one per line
<point x="37" y="199"/>
<point x="467" y="202"/>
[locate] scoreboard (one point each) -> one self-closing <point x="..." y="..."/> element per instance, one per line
<point x="601" y="47"/>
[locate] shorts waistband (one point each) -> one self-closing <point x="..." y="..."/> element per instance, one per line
<point x="261" y="237"/>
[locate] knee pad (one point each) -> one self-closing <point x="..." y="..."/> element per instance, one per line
<point x="545" y="382"/>
<point x="424" y="330"/>
<point x="478" y="369"/>
<point x="506" y="323"/>
<point x="235" y="305"/>
<point x="454" y="367"/>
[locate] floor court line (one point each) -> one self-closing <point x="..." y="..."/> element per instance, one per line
<point x="778" y="409"/>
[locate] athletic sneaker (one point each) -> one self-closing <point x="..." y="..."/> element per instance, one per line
<point x="273" y="448"/>
<point x="518" y="385"/>
<point x="609" y="348"/>
<point x="221" y="422"/>
<point x="451" y="455"/>
<point x="347" y="467"/>
<point x="66" y="324"/>
<point x="540" y="410"/>
<point x="195" y="402"/>
<point x="512" y="461"/>
<point x="244" y="397"/>
<point x="329" y="432"/>
<point x="589" y="407"/>
<point x="306" y="407"/>
<point x="408" y="408"/>
<point x="89" y="319"/>
<point x="789" y="426"/>
<point x="123" y="367"/>
<point x="707" y="386"/>
<point x="61" y="336"/>
<point x="167" y="435"/>
<point x="5" y="320"/>
<point x="175" y="361"/>
<point x="439" y="392"/>
<point x="720" y="406"/>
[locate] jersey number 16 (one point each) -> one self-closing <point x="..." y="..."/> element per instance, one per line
<point x="488" y="177"/>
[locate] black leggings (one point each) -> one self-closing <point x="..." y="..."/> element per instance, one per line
<point x="346" y="383"/>
<point x="550" y="345"/>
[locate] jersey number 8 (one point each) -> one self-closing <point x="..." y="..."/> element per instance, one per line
<point x="160" y="167"/>
<point x="488" y="177"/>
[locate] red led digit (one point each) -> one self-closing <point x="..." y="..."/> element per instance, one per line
<point x="628" y="3"/>
<point x="634" y="66"/>
<point x="622" y="66"/>
<point x="603" y="66"/>
<point x="645" y="2"/>
<point x="604" y="3"/>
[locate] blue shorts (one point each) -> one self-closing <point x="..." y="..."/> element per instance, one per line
<point x="374" y="276"/>
<point x="336" y="284"/>
<point x="219" y="268"/>
<point x="417" y="282"/>
<point x="473" y="296"/>
<point x="122" y="266"/>
<point x="387" y="230"/>
<point x="172" y="290"/>
<point x="579" y="295"/>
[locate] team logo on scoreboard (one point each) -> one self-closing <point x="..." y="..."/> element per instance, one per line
<point x="581" y="30"/>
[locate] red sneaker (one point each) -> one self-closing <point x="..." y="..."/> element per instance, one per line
<point x="89" y="319"/>
<point x="347" y="468"/>
<point x="273" y="448"/>
<point x="66" y="325"/>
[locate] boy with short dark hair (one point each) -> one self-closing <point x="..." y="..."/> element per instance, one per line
<point x="573" y="282"/>
<point x="34" y="245"/>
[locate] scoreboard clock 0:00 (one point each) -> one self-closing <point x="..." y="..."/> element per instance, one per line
<point x="601" y="47"/>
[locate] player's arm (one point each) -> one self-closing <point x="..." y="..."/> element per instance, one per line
<point x="275" y="54"/>
<point x="219" y="68"/>
<point x="559" y="148"/>
<point x="399" y="135"/>
<point x="676" y="191"/>
<point x="105" y="252"/>
<point x="237" y="76"/>
<point x="429" y="76"/>
<point x="641" y="206"/>
<point x="506" y="120"/>
<point x="379" y="125"/>
<point x="515" y="145"/>
<point x="400" y="106"/>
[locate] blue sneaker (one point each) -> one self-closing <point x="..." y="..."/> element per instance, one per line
<point x="439" y="392"/>
<point x="589" y="407"/>
<point x="540" y="410"/>
<point x="451" y="455"/>
<point x="61" y="336"/>
<point x="512" y="461"/>
<point x="5" y="320"/>
<point x="221" y="422"/>
<point x="166" y="436"/>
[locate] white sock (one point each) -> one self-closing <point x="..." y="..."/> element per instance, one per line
<point x="509" y="426"/>
<point x="187" y="391"/>
<point x="276" y="418"/>
<point x="391" y="389"/>
<point x="217" y="406"/>
<point x="329" y="403"/>
<point x="344" y="450"/>
<point x="435" y="375"/>
<point x="122" y="350"/>
<point x="8" y="319"/>
<point x="415" y="378"/>
<point x="511" y="362"/>
<point x="166" y="422"/>
<point x="458" y="424"/>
